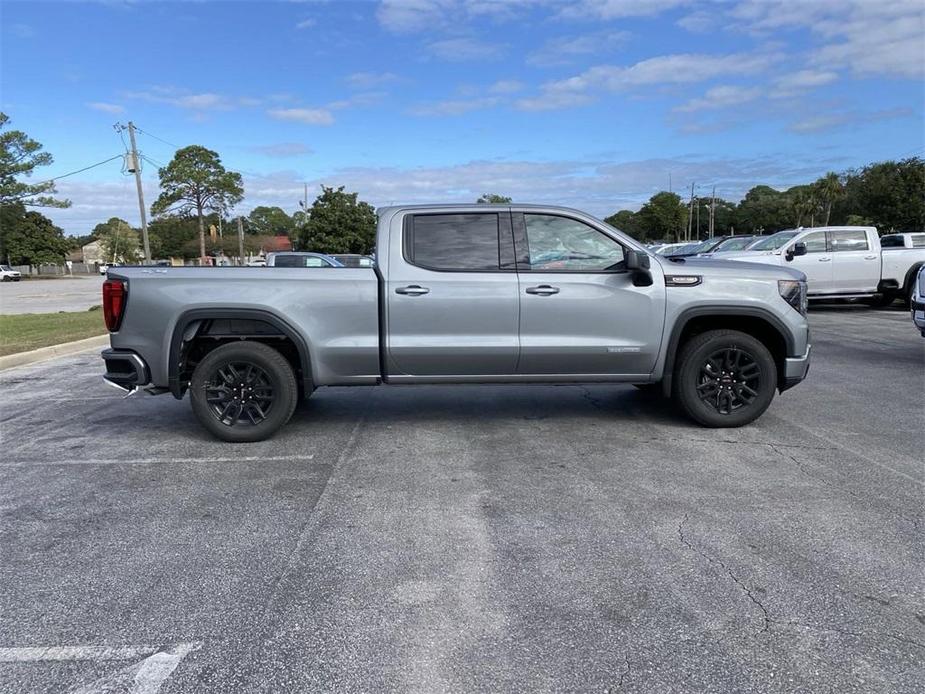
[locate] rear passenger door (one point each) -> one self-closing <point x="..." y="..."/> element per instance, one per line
<point x="856" y="265"/>
<point x="452" y="296"/>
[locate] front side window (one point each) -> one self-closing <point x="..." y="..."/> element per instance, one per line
<point x="453" y="242"/>
<point x="774" y="241"/>
<point x="849" y="241"/>
<point x="815" y="242"/>
<point x="6" y="268"/>
<point x="563" y="244"/>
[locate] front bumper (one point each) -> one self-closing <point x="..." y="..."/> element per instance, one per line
<point x="125" y="369"/>
<point x="795" y="369"/>
<point x="918" y="312"/>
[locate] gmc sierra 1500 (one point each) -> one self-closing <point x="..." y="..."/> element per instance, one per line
<point x="461" y="294"/>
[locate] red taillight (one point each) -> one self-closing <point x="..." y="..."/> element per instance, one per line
<point x="113" y="303"/>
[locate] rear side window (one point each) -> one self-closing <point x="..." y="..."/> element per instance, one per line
<point x="849" y="241"/>
<point x="453" y="242"/>
<point x="892" y="241"/>
<point x="918" y="240"/>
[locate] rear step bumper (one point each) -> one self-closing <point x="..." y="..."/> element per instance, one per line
<point x="125" y="369"/>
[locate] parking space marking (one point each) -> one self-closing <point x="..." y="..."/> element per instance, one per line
<point x="144" y="677"/>
<point x="164" y="461"/>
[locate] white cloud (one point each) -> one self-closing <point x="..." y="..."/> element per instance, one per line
<point x="306" y="23"/>
<point x="506" y="87"/>
<point x="365" y="80"/>
<point x="283" y="149"/>
<point x="600" y="187"/>
<point x="618" y="9"/>
<point x="115" y="109"/>
<point x="309" y="116"/>
<point x="722" y="96"/>
<point x="817" y="123"/>
<point x="661" y="70"/>
<point x="465" y="49"/>
<point x="22" y="31"/>
<point x="404" y="16"/>
<point x="566" y="49"/>
<point x="797" y="83"/>
<point x="455" y="107"/>
<point x="698" y="22"/>
<point x="185" y="99"/>
<point x="869" y="37"/>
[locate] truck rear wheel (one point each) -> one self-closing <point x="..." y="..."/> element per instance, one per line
<point x="243" y="391"/>
<point x="725" y="378"/>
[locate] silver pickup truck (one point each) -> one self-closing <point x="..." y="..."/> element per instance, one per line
<point x="461" y="294"/>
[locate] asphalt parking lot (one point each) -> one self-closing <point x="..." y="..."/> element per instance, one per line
<point x="52" y="295"/>
<point x="523" y="538"/>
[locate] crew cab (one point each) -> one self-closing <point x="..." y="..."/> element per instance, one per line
<point x="8" y="274"/>
<point x="839" y="262"/>
<point x="461" y="294"/>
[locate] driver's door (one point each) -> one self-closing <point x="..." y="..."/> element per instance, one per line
<point x="816" y="264"/>
<point x="580" y="312"/>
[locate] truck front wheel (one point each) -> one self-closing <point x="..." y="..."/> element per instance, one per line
<point x="243" y="391"/>
<point x="725" y="378"/>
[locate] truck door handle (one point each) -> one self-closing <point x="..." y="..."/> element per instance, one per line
<point x="543" y="290"/>
<point x="412" y="290"/>
<point x="825" y="260"/>
<point x="870" y="257"/>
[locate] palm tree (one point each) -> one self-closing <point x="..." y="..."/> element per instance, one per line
<point x="829" y="188"/>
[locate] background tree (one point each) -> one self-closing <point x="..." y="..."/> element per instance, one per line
<point x="173" y="236"/>
<point x="625" y="221"/>
<point x="763" y="210"/>
<point x="118" y="240"/>
<point x="338" y="223"/>
<point x="494" y="198"/>
<point x="828" y="189"/>
<point x="195" y="181"/>
<point x="19" y="156"/>
<point x="891" y="193"/>
<point x="803" y="205"/>
<point x="662" y="217"/>
<point x="30" y="238"/>
<point x="269" y="221"/>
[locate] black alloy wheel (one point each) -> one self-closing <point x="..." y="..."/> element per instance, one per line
<point x="729" y="379"/>
<point x="240" y="392"/>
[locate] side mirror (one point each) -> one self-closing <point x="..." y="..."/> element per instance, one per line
<point x="637" y="262"/>
<point x="795" y="250"/>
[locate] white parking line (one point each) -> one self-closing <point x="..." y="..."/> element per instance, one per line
<point x="162" y="461"/>
<point x="144" y="677"/>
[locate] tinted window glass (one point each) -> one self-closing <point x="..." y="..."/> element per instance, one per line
<point x="849" y="240"/>
<point x="559" y="243"/>
<point x="891" y="241"/>
<point x="774" y="241"/>
<point x="918" y="240"/>
<point x="287" y="261"/>
<point x="454" y="241"/>
<point x="815" y="242"/>
<point x="734" y="244"/>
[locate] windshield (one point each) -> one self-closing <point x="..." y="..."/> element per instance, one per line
<point x="734" y="244"/>
<point x="774" y="241"/>
<point x="6" y="268"/>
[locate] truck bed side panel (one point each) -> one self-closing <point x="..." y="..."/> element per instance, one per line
<point x="335" y="310"/>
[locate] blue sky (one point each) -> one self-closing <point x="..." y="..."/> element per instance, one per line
<point x="589" y="103"/>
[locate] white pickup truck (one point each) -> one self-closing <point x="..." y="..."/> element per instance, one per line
<point x="840" y="262"/>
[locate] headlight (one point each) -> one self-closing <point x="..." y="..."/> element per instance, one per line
<point x="794" y="293"/>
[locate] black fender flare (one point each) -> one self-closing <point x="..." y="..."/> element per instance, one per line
<point x="197" y="314"/>
<point x="689" y="314"/>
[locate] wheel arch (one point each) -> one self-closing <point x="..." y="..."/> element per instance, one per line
<point x="244" y="324"/>
<point x="752" y="320"/>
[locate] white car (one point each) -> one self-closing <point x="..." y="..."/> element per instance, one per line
<point x="8" y="274"/>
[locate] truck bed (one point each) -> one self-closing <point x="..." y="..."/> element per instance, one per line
<point x="334" y="310"/>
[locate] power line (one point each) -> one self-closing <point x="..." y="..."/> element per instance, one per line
<point x="166" y="142"/>
<point x="72" y="173"/>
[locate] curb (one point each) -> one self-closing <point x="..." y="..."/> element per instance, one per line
<point x="45" y="353"/>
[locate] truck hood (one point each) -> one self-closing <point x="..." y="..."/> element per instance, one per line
<point x="765" y="266"/>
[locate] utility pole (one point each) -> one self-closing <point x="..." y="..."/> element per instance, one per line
<point x="241" y="239"/>
<point x="136" y="168"/>
<point x="690" y="214"/>
<point x="698" y="218"/>
<point x="713" y="212"/>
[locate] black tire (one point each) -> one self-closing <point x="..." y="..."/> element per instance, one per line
<point x="724" y="378"/>
<point x="243" y="391"/>
<point x="7" y="279"/>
